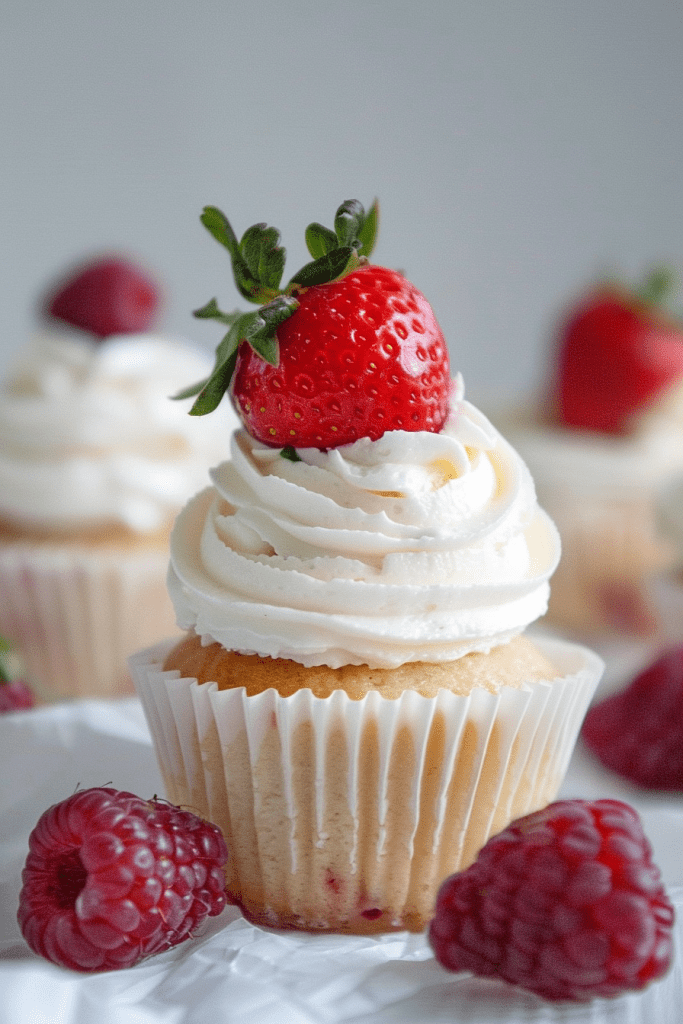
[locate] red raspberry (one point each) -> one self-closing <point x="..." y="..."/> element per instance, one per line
<point x="638" y="732"/>
<point x="108" y="296"/>
<point x="15" y="695"/>
<point x="360" y="356"/>
<point x="111" y="878"/>
<point x="565" y="902"/>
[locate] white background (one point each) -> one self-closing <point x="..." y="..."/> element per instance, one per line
<point x="518" y="147"/>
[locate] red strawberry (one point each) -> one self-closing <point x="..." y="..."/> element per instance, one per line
<point x="618" y="350"/>
<point x="565" y="902"/>
<point x="107" y="296"/>
<point x="360" y="356"/>
<point x="111" y="878"/>
<point x="346" y="350"/>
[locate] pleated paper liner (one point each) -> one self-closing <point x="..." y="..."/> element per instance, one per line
<point x="346" y="815"/>
<point x="77" y="614"/>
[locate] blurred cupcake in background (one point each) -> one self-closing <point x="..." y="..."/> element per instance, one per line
<point x="600" y="444"/>
<point x="666" y="587"/>
<point x="95" y="462"/>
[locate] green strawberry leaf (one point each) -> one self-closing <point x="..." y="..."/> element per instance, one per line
<point x="215" y="221"/>
<point x="271" y="268"/>
<point x="211" y="312"/>
<point x="230" y="341"/>
<point x="211" y="391"/>
<point x="264" y="257"/>
<point x="250" y="247"/>
<point x="259" y="328"/>
<point x="190" y="392"/>
<point x="289" y="452"/>
<point x="261" y="338"/>
<point x="348" y="221"/>
<point x="215" y="387"/>
<point x="223" y="351"/>
<point x="320" y="240"/>
<point x="367" y="236"/>
<point x="337" y="263"/>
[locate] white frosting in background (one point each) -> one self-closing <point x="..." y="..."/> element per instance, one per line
<point x="414" y="547"/>
<point x="89" y="436"/>
<point x="582" y="461"/>
<point x="568" y="459"/>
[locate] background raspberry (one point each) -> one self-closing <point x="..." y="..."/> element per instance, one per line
<point x="638" y="732"/>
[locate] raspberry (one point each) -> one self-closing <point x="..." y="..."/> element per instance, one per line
<point x="565" y="902"/>
<point x="111" y="878"/>
<point x="638" y="732"/>
<point x="15" y="695"/>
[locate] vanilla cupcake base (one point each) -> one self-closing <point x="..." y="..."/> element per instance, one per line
<point x="345" y="815"/>
<point x="76" y="612"/>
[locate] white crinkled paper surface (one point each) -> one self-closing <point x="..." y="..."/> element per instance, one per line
<point x="234" y="972"/>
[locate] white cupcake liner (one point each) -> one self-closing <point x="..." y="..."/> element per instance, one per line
<point x="609" y="547"/>
<point x="76" y="614"/>
<point x="346" y="815"/>
<point x="666" y="595"/>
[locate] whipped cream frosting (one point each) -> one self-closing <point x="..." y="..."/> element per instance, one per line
<point x="416" y="547"/>
<point x="89" y="436"/>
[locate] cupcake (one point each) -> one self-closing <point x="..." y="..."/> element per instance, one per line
<point x="355" y="702"/>
<point x="600" y="445"/>
<point x="95" y="463"/>
<point x="665" y="588"/>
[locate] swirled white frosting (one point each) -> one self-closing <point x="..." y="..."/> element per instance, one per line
<point x="414" y="547"/>
<point x="89" y="436"/>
